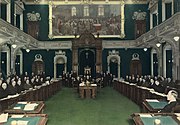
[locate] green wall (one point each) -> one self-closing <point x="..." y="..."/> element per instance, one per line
<point x="48" y="58"/>
<point x="44" y="23"/>
<point x="129" y="22"/>
<point x="125" y="59"/>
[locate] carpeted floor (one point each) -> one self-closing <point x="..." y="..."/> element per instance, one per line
<point x="109" y="108"/>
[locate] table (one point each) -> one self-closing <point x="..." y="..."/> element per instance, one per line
<point x="88" y="91"/>
<point x="153" y="105"/>
<point x="38" y="109"/>
<point x="33" y="119"/>
<point x="149" y="118"/>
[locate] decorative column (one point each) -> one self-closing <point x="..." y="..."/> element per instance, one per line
<point x="0" y="59"/>
<point x="98" y="60"/>
<point x="13" y="59"/>
<point x="163" y="11"/>
<point x="8" y="13"/>
<point x="176" y="63"/>
<point x="160" y="56"/>
<point x="50" y="20"/>
<point x="75" y="59"/>
<point x="122" y="20"/>
<point x="21" y="22"/>
<point x="151" y="20"/>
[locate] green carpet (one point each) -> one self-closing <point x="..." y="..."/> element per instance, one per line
<point x="109" y="108"/>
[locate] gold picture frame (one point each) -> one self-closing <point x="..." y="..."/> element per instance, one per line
<point x="106" y="24"/>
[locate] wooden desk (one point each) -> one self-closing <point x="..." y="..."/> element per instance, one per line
<point x="33" y="119"/>
<point x="87" y="91"/>
<point x="43" y="93"/>
<point x="38" y="110"/>
<point x="153" y="105"/>
<point x="136" y="93"/>
<point x="149" y="118"/>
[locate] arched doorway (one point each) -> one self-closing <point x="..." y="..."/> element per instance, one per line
<point x="113" y="61"/>
<point x="87" y="58"/>
<point x="60" y="63"/>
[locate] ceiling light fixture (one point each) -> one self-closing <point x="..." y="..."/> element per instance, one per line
<point x="28" y="50"/>
<point x="158" y="44"/>
<point x="14" y="45"/>
<point x="145" y="49"/>
<point x="176" y="38"/>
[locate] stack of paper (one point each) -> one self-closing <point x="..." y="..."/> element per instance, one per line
<point x="30" y="107"/>
<point x="17" y="107"/>
<point x="177" y="114"/>
<point x="145" y="115"/>
<point x="17" y="116"/>
<point x="152" y="100"/>
<point x="3" y="118"/>
<point x="178" y="118"/>
<point x="20" y="122"/>
<point x="93" y="84"/>
<point x="22" y="103"/>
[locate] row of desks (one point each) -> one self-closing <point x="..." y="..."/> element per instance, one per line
<point x="18" y="113"/>
<point x="31" y="119"/>
<point x="136" y="93"/>
<point x="16" y="106"/>
<point x="150" y="101"/>
<point x="41" y="93"/>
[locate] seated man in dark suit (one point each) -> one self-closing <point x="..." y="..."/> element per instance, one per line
<point x="171" y="97"/>
<point x="3" y="90"/>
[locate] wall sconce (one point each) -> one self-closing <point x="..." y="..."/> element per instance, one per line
<point x="28" y="50"/>
<point x="158" y="44"/>
<point x="176" y="38"/>
<point x="14" y="45"/>
<point x="145" y="49"/>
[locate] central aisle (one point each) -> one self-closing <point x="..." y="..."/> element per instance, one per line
<point x="109" y="108"/>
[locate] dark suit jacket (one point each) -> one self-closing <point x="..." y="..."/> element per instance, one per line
<point x="168" y="108"/>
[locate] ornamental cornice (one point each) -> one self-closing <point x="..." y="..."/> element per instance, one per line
<point x="167" y="28"/>
<point x="54" y="45"/>
<point x="19" y="7"/>
<point x="9" y="31"/>
<point x="138" y="15"/>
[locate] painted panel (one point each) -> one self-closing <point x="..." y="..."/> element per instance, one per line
<point x="71" y="19"/>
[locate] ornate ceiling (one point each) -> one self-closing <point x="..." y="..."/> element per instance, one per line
<point x="87" y="1"/>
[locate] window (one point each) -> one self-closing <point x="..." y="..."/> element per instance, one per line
<point x="100" y="10"/>
<point x="73" y="11"/>
<point x="86" y="10"/>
